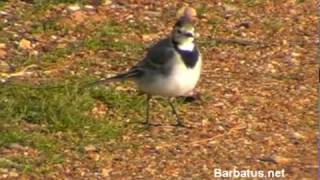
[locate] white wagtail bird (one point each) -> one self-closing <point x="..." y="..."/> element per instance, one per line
<point x="171" y="67"/>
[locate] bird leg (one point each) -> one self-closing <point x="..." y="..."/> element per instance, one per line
<point x="147" y="109"/>
<point x="174" y="111"/>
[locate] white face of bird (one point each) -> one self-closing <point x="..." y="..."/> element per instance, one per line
<point x="184" y="33"/>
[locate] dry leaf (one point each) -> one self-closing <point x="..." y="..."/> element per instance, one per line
<point x="230" y="7"/>
<point x="148" y="37"/>
<point x="276" y="159"/>
<point x="3" y="53"/>
<point x="78" y="17"/>
<point x="2" y="46"/>
<point x="106" y="172"/>
<point x="94" y="156"/>
<point x="74" y="7"/>
<point x="4" y="66"/>
<point x="90" y="148"/>
<point x="25" y="44"/>
<point x="13" y="174"/>
<point x="89" y="7"/>
<point x="297" y="136"/>
<point x="107" y="2"/>
<point x="281" y="159"/>
<point x="205" y="122"/>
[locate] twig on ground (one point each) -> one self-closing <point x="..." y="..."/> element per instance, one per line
<point x="24" y="72"/>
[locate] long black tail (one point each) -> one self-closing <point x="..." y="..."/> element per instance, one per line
<point x="120" y="77"/>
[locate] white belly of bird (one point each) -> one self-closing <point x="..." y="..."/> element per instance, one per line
<point x="180" y="82"/>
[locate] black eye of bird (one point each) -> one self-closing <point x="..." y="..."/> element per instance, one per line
<point x="179" y="31"/>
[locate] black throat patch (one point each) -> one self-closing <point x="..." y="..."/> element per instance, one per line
<point x="190" y="58"/>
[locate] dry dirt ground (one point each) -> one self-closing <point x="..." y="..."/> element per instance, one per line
<point x="258" y="89"/>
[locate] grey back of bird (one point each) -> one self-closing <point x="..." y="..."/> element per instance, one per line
<point x="158" y="60"/>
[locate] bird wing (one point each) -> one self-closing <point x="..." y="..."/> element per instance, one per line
<point x="158" y="57"/>
<point x="158" y="60"/>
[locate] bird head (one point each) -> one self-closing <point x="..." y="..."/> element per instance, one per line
<point x="183" y="31"/>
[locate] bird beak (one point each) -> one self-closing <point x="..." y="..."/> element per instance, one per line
<point x="188" y="34"/>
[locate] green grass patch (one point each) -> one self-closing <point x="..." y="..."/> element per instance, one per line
<point x="59" y="108"/>
<point x="251" y="3"/>
<point x="41" y="5"/>
<point x="58" y="53"/>
<point x="23" y="164"/>
<point x="202" y="10"/>
<point x="273" y="23"/>
<point x="122" y="102"/>
<point x="110" y="29"/>
<point x="3" y="3"/>
<point x="66" y="109"/>
<point x="104" y="38"/>
<point x="215" y="21"/>
<point x="110" y="44"/>
<point x="48" y="27"/>
<point x="141" y="28"/>
<point x="61" y="119"/>
<point x="248" y="3"/>
<point x="52" y="56"/>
